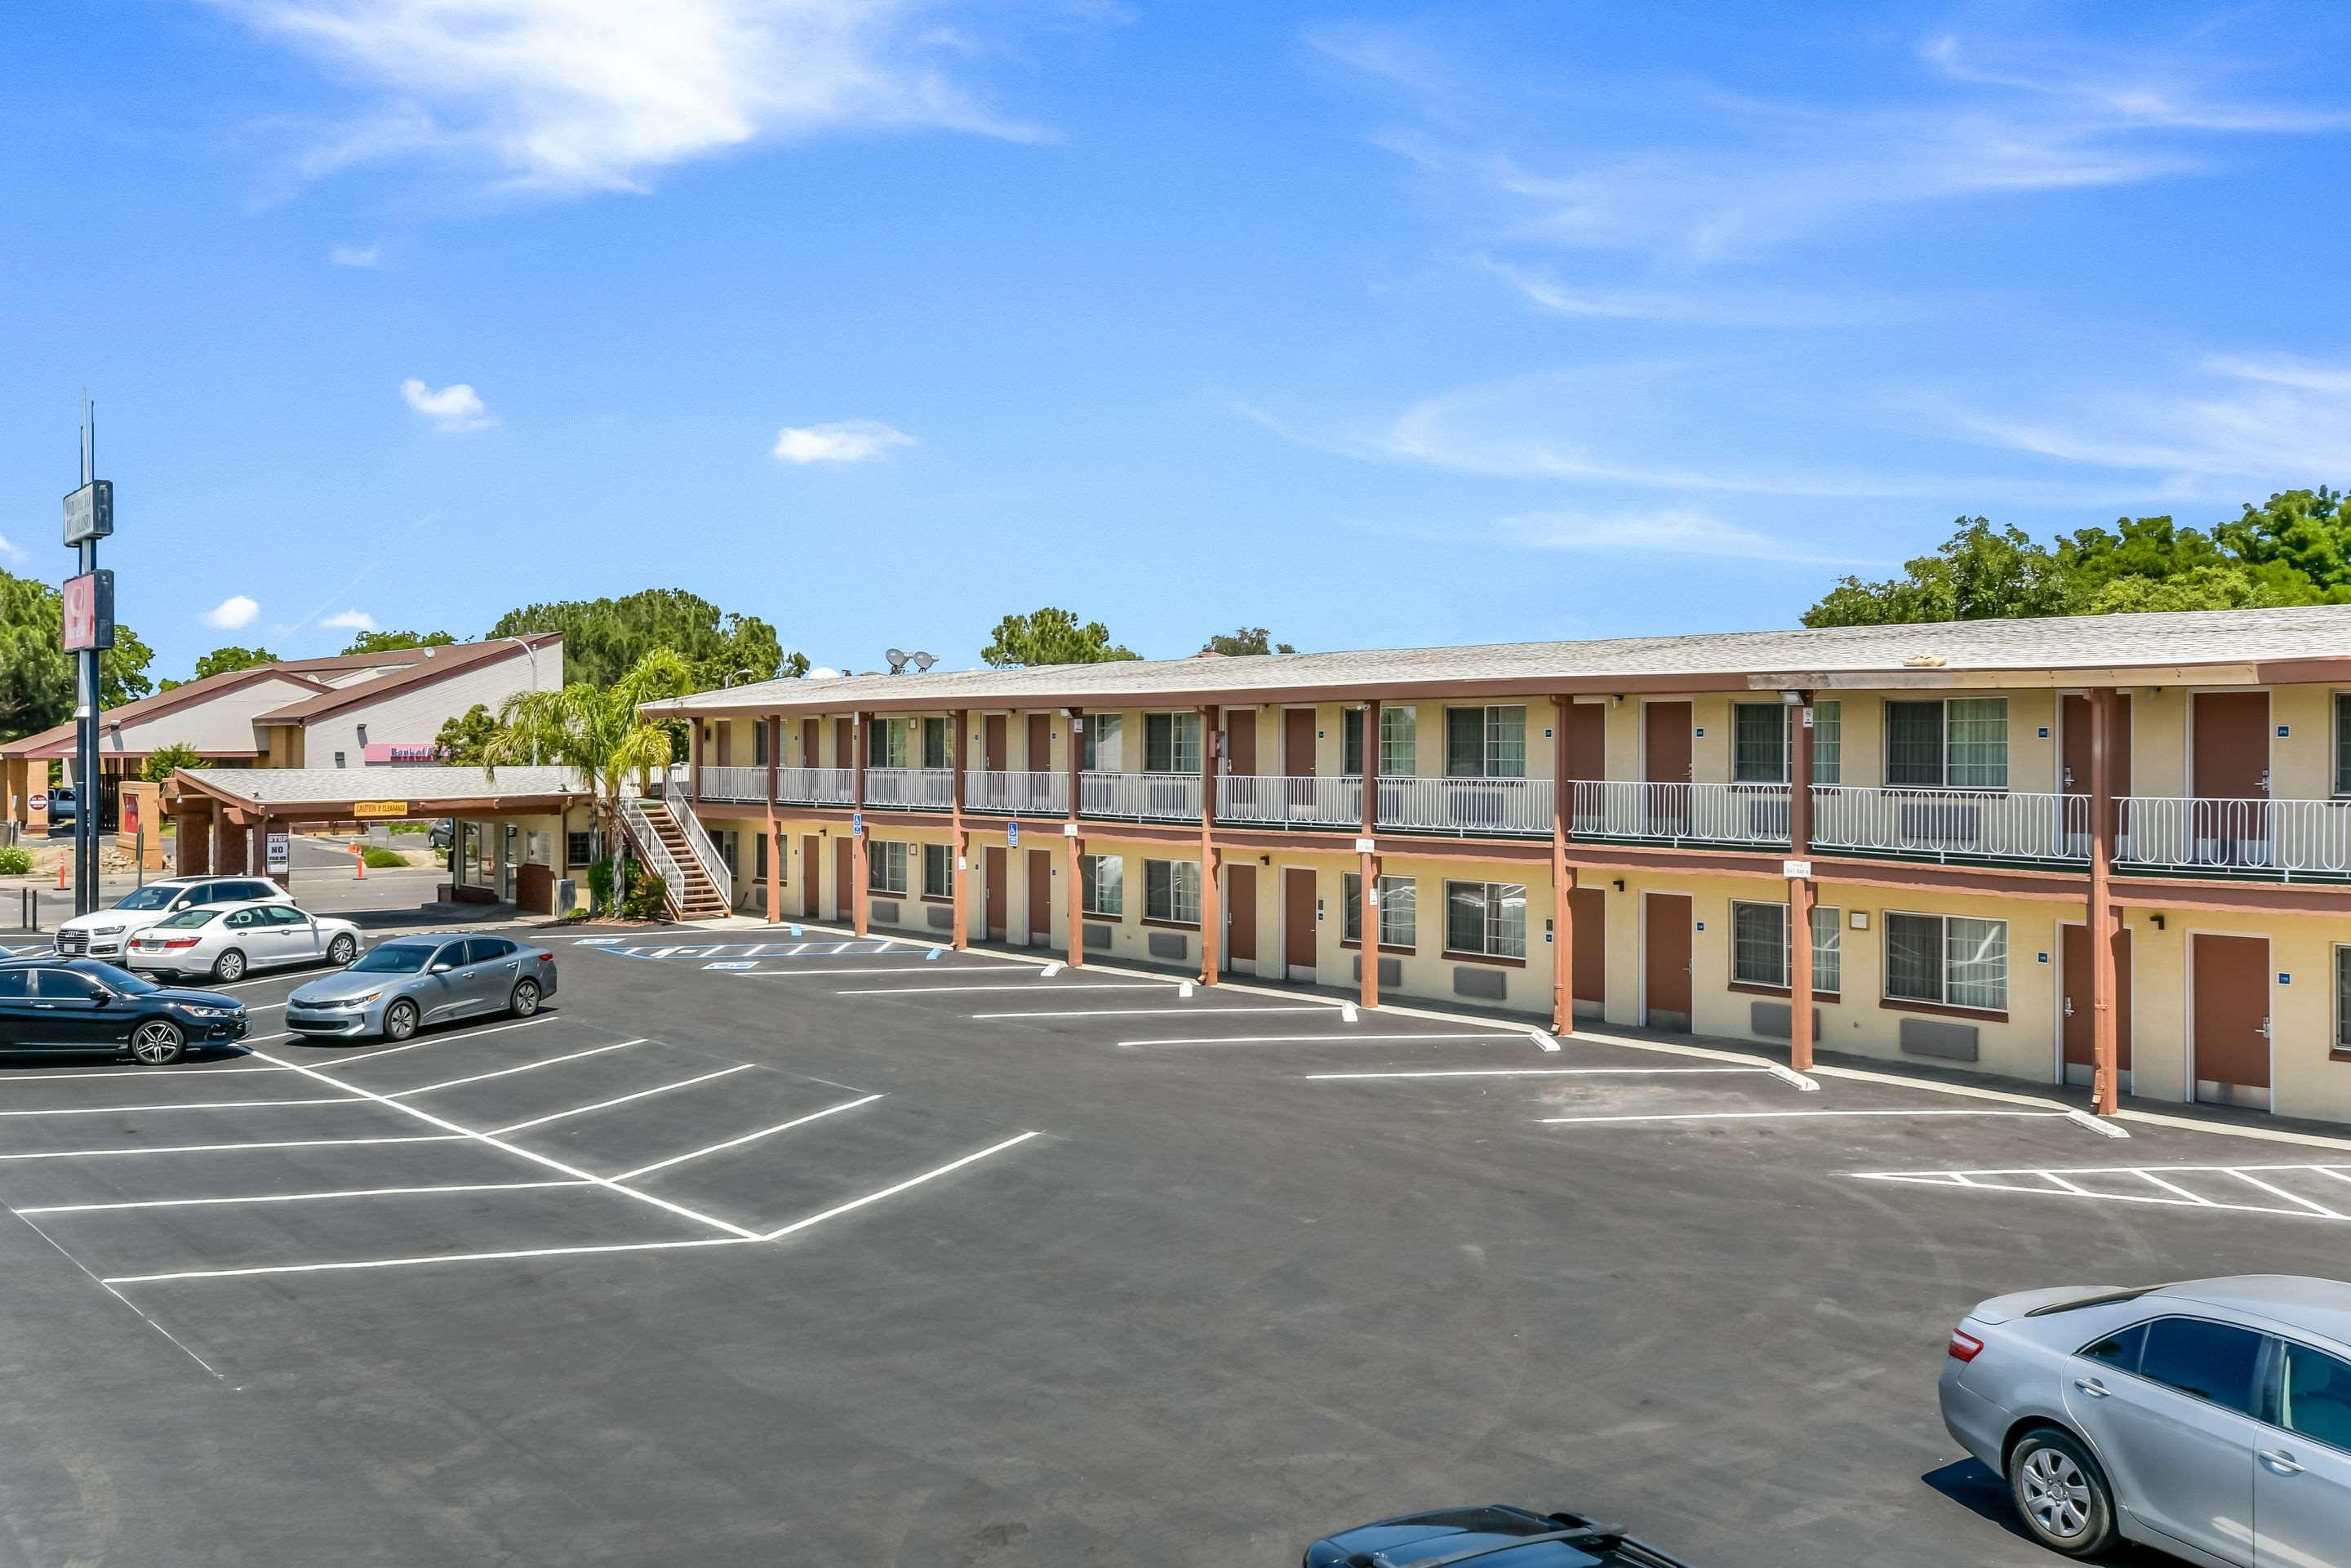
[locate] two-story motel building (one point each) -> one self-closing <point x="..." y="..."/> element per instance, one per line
<point x="1619" y="829"/>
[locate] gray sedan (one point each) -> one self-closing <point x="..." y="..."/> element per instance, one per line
<point x="398" y="986"/>
<point x="2210" y="1419"/>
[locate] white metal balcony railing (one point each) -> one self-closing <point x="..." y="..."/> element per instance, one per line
<point x="1710" y="813"/>
<point x="920" y="789"/>
<point x="1289" y="801"/>
<point x="2286" y="837"/>
<point x="1975" y="825"/>
<point x="1016" y="794"/>
<point x="1140" y="797"/>
<point x="815" y="786"/>
<point x="732" y="783"/>
<point x="1464" y="806"/>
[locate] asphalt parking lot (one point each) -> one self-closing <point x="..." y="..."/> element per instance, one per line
<point x="777" y="1246"/>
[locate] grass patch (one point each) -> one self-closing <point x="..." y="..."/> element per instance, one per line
<point x="377" y="858"/>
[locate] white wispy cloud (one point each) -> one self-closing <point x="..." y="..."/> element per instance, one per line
<point x="10" y="549"/>
<point x="236" y="611"/>
<point x="1726" y="177"/>
<point x="1667" y="532"/>
<point x="454" y="408"/>
<point x="842" y="440"/>
<point x="356" y="256"/>
<point x="1555" y="296"/>
<point x="599" y="94"/>
<point x="349" y="621"/>
<point x="2228" y="420"/>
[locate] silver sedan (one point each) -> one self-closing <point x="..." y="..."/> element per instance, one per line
<point x="2210" y="1419"/>
<point x="398" y="986"/>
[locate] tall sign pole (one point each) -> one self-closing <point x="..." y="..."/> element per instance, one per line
<point x="89" y="630"/>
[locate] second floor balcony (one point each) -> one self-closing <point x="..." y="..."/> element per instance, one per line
<point x="2152" y="835"/>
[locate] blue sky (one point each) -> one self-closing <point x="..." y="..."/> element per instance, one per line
<point x="1371" y="324"/>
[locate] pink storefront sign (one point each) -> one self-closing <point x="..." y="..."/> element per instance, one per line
<point x="400" y="751"/>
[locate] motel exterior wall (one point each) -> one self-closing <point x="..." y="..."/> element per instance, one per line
<point x="414" y="713"/>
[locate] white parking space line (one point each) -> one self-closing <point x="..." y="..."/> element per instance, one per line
<point x="132" y="1073"/>
<point x="2315" y="1207"/>
<point x="1030" y="987"/>
<point x="1529" y="1073"/>
<point x="861" y="969"/>
<point x="854" y="1202"/>
<point x="1791" y="1116"/>
<point x="296" y="1197"/>
<point x="746" y="1138"/>
<point x="215" y="1148"/>
<point x="182" y="1105"/>
<point x="421" y="1044"/>
<point x="609" y="1183"/>
<point x="262" y="1007"/>
<point x="413" y="1263"/>
<point x="1331" y="1013"/>
<point x="1350" y="1037"/>
<point x="623" y="1100"/>
<point x="509" y="1072"/>
<point x="2059" y="1182"/>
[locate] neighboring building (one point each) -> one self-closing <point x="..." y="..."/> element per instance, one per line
<point x="350" y="711"/>
<point x="1608" y="829"/>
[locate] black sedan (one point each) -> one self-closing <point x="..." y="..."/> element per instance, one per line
<point x="83" y="1005"/>
<point x="1492" y="1537"/>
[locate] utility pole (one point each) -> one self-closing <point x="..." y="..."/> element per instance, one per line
<point x="89" y="629"/>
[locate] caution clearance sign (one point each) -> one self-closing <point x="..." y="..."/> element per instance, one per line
<point x="381" y="809"/>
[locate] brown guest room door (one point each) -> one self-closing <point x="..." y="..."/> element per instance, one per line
<point x="811" y="872"/>
<point x="1240" y="913"/>
<point x="994" y="900"/>
<point x="1665" y="931"/>
<point x="1040" y="895"/>
<point x="2232" y="1022"/>
<point x="2079" y="1059"/>
<point x="1298" y="920"/>
<point x="1666" y="765"/>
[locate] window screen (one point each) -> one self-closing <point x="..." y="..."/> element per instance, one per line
<point x="1103" y="879"/>
<point x="1759" y="743"/>
<point x="1399" y="742"/>
<point x="1914" y="745"/>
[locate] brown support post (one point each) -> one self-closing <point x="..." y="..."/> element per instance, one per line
<point x="1562" y="881"/>
<point x="961" y="870"/>
<point x="2105" y="1082"/>
<point x="693" y="778"/>
<point x="860" y="743"/>
<point x="1800" y="888"/>
<point x="776" y="851"/>
<point x="1075" y="893"/>
<point x="1367" y="918"/>
<point x="1211" y="910"/>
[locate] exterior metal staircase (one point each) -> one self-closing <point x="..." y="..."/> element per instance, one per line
<point x="697" y="883"/>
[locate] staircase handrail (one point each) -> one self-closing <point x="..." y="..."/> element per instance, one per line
<point x="639" y="822"/>
<point x="712" y="865"/>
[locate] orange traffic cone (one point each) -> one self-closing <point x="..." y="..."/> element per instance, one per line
<point x="61" y="873"/>
<point x="358" y="864"/>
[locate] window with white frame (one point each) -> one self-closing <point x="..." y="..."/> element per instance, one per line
<point x="1761" y="749"/>
<point x="885" y="866"/>
<point x="1171" y="892"/>
<point x="1399" y="742"/>
<point x="1959" y="743"/>
<point x="936" y="734"/>
<point x="1399" y="910"/>
<point x="1102" y="884"/>
<point x="1486" y="742"/>
<point x="1101" y="753"/>
<point x="1171" y="743"/>
<point x="1948" y="959"/>
<point x="938" y="870"/>
<point x="885" y="743"/>
<point x="1758" y="946"/>
<point x="1486" y="918"/>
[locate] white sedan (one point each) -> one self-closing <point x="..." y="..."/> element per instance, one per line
<point x="225" y="942"/>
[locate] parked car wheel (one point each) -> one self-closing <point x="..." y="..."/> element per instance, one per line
<point x="158" y="1043"/>
<point x="230" y="965"/>
<point x="2061" y="1494"/>
<point x="342" y="950"/>
<point x="400" y="1019"/>
<point x="524" y="1000"/>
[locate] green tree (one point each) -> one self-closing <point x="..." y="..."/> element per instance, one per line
<point x="2199" y="588"/>
<point x="390" y="641"/>
<point x="465" y="739"/>
<point x="603" y="639"/>
<point x="1980" y="573"/>
<point x="1051" y="636"/>
<point x="1247" y="640"/>
<point x="166" y="760"/>
<point x="2297" y="542"/>
<point x="595" y="730"/>
<point x="221" y="661"/>
<point x="36" y="676"/>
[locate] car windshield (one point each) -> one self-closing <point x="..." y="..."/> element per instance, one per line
<point x="395" y="959"/>
<point x="157" y="896"/>
<point x="122" y="982"/>
<point x="187" y="919"/>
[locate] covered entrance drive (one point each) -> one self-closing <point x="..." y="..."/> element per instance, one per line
<point x="514" y="832"/>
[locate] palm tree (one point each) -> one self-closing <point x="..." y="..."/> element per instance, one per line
<point x="596" y="731"/>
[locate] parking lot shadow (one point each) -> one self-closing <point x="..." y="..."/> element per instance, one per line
<point x="1977" y="1488"/>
